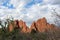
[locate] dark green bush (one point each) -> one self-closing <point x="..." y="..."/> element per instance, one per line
<point x="17" y="35"/>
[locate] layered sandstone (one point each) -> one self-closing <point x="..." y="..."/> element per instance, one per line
<point x="40" y="25"/>
<point x="20" y="24"/>
<point x="23" y="26"/>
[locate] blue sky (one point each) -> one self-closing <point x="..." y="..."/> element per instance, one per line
<point x="29" y="10"/>
<point x="32" y="3"/>
<point x="7" y="3"/>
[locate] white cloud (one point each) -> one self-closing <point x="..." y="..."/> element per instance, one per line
<point x="33" y="13"/>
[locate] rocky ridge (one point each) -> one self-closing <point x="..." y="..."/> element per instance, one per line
<point x="40" y="25"/>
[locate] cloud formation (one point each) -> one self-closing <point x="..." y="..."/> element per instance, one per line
<point x="29" y="10"/>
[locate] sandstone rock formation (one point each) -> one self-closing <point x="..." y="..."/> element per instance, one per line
<point x="33" y="26"/>
<point x="23" y="26"/>
<point x="10" y="27"/>
<point x="40" y="25"/>
<point x="20" y="24"/>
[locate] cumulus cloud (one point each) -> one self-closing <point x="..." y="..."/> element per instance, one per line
<point x="34" y="12"/>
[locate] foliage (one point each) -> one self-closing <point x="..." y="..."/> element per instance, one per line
<point x="16" y="34"/>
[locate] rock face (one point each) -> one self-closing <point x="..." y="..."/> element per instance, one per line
<point x="20" y="24"/>
<point x="10" y="27"/>
<point x="40" y="25"/>
<point x="33" y="26"/>
<point x="23" y="26"/>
